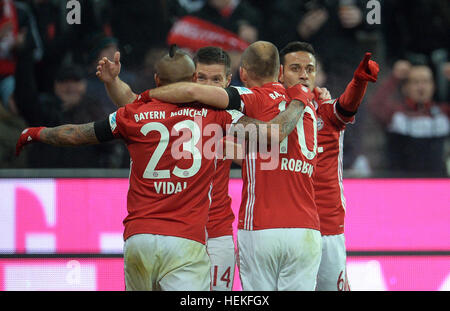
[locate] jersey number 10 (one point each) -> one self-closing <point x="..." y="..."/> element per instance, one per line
<point x="301" y="133"/>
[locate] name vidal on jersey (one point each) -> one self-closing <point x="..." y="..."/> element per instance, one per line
<point x="167" y="187"/>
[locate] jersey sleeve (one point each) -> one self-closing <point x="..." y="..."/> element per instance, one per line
<point x="328" y="109"/>
<point x="251" y="101"/>
<point x="143" y="97"/>
<point x="226" y="118"/>
<point x="117" y="121"/>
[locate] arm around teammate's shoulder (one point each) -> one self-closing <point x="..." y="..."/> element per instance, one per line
<point x="276" y="129"/>
<point x="187" y="92"/>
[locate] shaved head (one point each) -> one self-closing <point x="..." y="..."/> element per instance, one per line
<point x="261" y="60"/>
<point x="177" y="68"/>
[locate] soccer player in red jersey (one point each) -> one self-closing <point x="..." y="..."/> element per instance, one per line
<point x="212" y="67"/>
<point x="170" y="178"/>
<point x="279" y="242"/>
<point x="299" y="66"/>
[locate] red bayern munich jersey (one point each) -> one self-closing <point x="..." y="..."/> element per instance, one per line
<point x="168" y="196"/>
<point x="284" y="196"/>
<point x="329" y="191"/>
<point x="221" y="216"/>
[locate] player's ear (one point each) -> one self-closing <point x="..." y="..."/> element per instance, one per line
<point x="281" y="75"/>
<point x="157" y="80"/>
<point x="243" y="74"/>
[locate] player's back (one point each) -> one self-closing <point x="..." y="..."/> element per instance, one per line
<point x="283" y="196"/>
<point x="170" y="175"/>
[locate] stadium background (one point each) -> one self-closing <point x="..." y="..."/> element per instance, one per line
<point x="61" y="211"/>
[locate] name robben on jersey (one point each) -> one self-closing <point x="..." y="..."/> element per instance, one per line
<point x="297" y="166"/>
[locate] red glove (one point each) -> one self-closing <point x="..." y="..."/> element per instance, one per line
<point x="301" y="93"/>
<point x="28" y="136"/>
<point x="367" y="69"/>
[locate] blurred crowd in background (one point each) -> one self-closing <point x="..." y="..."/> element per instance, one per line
<point x="47" y="69"/>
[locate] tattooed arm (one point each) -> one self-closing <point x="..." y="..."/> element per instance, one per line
<point x="66" y="135"/>
<point x="277" y="128"/>
<point x="288" y="119"/>
<point x="69" y="135"/>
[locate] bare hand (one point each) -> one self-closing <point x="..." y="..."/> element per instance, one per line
<point x="108" y="71"/>
<point x="401" y="69"/>
<point x="322" y="93"/>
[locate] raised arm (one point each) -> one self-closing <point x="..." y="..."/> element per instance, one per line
<point x="186" y="92"/>
<point x="353" y="95"/>
<point x="118" y="91"/>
